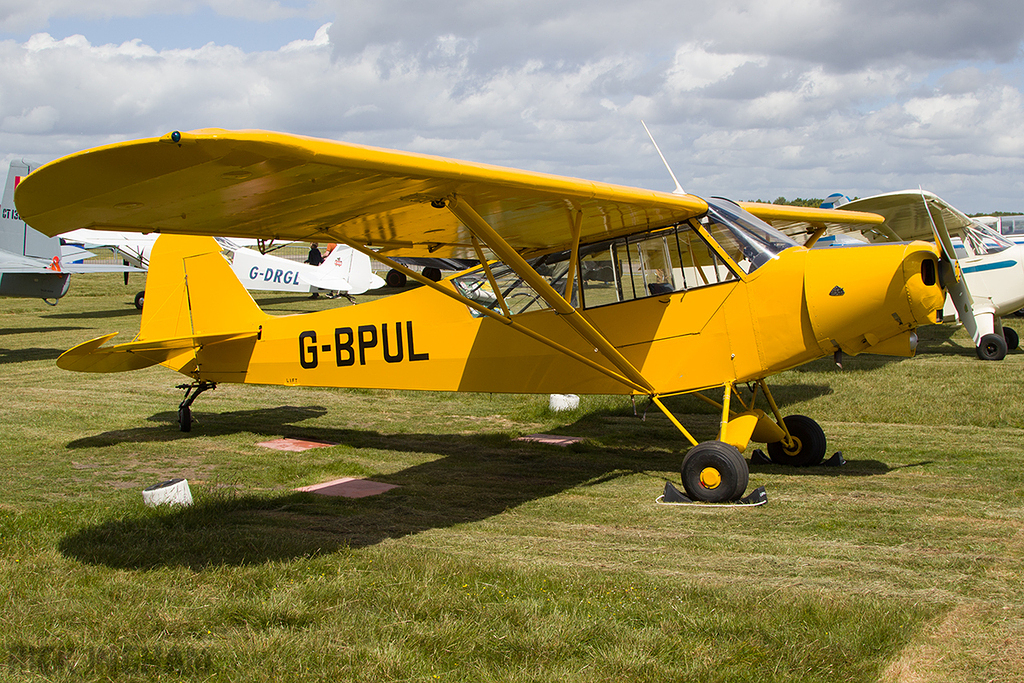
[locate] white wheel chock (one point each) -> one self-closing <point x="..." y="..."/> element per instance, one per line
<point x="170" y="492"/>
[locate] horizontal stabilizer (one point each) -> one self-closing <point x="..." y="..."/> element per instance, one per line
<point x="90" y="357"/>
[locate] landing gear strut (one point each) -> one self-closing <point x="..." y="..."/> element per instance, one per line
<point x="716" y="471"/>
<point x="192" y="392"/>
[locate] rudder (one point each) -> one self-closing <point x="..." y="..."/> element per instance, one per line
<point x="191" y="291"/>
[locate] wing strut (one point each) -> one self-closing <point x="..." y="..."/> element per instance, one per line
<point x="574" y="256"/>
<point x="490" y="278"/>
<point x="450" y="292"/>
<point x="511" y="258"/>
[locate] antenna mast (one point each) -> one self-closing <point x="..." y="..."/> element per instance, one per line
<point x="679" y="188"/>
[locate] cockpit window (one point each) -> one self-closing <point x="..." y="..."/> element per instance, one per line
<point x="747" y="239"/>
<point x="979" y="239"/>
<point x="654" y="263"/>
<point x="651" y="264"/>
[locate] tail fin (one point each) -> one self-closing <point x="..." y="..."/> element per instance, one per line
<point x="192" y="292"/>
<point x="192" y="300"/>
<point x="15" y="235"/>
<point x="353" y="266"/>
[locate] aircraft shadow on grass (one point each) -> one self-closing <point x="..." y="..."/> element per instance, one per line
<point x="269" y="420"/>
<point x="127" y="311"/>
<point x="938" y="340"/>
<point x="36" y="330"/>
<point x="470" y="478"/>
<point x="29" y="354"/>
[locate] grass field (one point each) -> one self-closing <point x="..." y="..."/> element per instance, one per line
<point x="497" y="560"/>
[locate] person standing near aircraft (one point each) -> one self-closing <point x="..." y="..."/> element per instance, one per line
<point x="314" y="258"/>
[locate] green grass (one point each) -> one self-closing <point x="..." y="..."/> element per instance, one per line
<point x="498" y="560"/>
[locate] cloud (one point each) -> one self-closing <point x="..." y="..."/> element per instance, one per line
<point x="17" y="15"/>
<point x="746" y="99"/>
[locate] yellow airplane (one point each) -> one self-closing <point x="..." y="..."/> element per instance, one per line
<point x="585" y="287"/>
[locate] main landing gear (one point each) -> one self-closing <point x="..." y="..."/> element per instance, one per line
<point x="995" y="346"/>
<point x="192" y="392"/>
<point x="715" y="471"/>
<point x="806" y="447"/>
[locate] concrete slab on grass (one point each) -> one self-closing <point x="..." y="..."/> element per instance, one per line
<point x="348" y="487"/>
<point x="551" y="439"/>
<point x="294" y="445"/>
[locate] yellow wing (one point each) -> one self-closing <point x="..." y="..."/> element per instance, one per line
<point x="287" y="187"/>
<point x="272" y="185"/>
<point x="799" y="222"/>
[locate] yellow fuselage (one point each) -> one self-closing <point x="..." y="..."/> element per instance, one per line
<point x="798" y="307"/>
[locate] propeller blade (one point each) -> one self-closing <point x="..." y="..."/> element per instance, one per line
<point x="953" y="277"/>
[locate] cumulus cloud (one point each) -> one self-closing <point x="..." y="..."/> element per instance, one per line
<point x="17" y="15"/>
<point x="747" y="99"/>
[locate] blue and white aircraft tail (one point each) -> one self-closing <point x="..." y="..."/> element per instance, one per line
<point x="29" y="260"/>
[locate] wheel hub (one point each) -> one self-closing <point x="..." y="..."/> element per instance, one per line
<point x="710" y="478"/>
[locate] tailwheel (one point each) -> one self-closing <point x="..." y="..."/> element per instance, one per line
<point x="714" y="472"/>
<point x="807" y="448"/>
<point x="192" y="392"/>
<point x="185" y="419"/>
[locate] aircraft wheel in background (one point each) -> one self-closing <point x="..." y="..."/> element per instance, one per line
<point x="395" y="278"/>
<point x="809" y="449"/>
<point x="714" y="472"/>
<point x="992" y="347"/>
<point x="185" y="418"/>
<point x="1012" y="338"/>
<point x="432" y="274"/>
<point x="139" y="299"/>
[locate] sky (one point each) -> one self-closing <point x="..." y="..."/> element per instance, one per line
<point x="748" y="100"/>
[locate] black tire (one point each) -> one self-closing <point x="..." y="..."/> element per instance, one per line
<point x="140" y="299"/>
<point x="432" y="274"/>
<point x="1012" y="338"/>
<point x="810" y="446"/>
<point x="395" y="278"/>
<point x="992" y="347"/>
<point x="185" y="418"/>
<point x="714" y="472"/>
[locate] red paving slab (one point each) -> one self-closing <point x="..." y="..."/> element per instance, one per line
<point x="551" y="439"/>
<point x="295" y="445"/>
<point x="348" y="487"/>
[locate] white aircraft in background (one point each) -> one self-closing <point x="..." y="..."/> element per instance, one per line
<point x="344" y="270"/>
<point x="1010" y="227"/>
<point x="32" y="264"/>
<point x="989" y="280"/>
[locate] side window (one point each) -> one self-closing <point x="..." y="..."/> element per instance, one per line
<point x="517" y="294"/>
<point x="701" y="264"/>
<point x="657" y="263"/>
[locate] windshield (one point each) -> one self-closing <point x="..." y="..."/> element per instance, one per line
<point x="747" y="239"/>
<point x="979" y="240"/>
